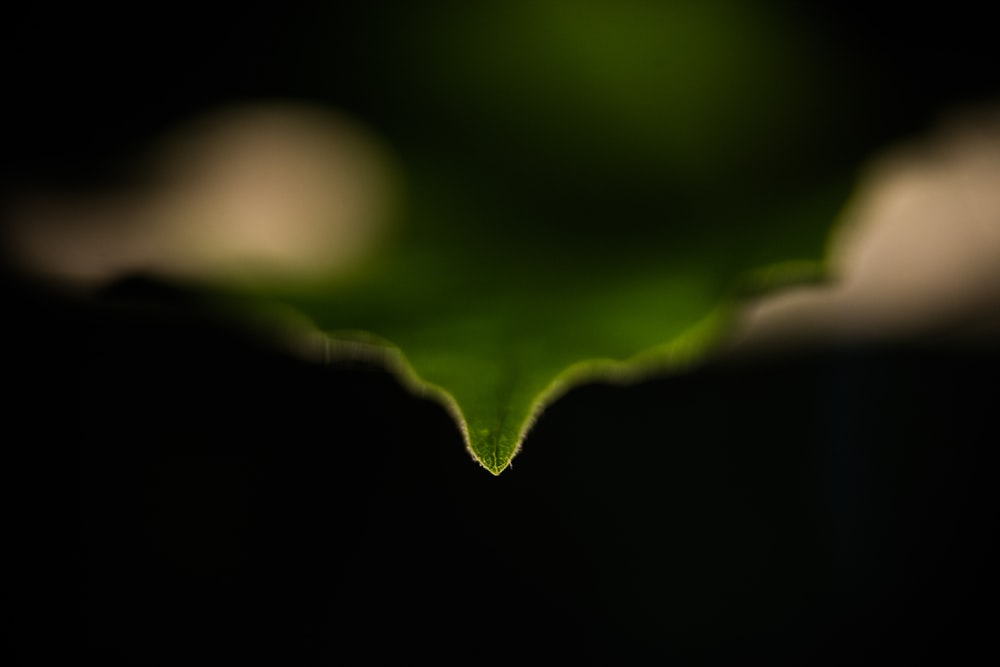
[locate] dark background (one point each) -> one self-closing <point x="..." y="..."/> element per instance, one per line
<point x="180" y="491"/>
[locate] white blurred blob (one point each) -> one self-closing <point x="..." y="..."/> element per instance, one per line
<point x="276" y="192"/>
<point x="918" y="252"/>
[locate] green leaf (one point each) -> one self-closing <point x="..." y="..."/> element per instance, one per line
<point x="588" y="186"/>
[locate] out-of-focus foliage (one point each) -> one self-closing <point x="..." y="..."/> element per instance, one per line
<point x="586" y="187"/>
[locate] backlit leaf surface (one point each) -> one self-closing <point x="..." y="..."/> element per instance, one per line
<point x="586" y="188"/>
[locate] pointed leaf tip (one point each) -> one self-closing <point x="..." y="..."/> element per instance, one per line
<point x="629" y="227"/>
<point x="497" y="468"/>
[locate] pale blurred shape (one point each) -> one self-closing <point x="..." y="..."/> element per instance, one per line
<point x="918" y="251"/>
<point x="257" y="193"/>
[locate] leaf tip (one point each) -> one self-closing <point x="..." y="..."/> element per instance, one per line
<point x="497" y="468"/>
<point x="493" y="462"/>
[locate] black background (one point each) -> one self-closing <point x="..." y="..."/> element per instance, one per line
<point x="180" y="491"/>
